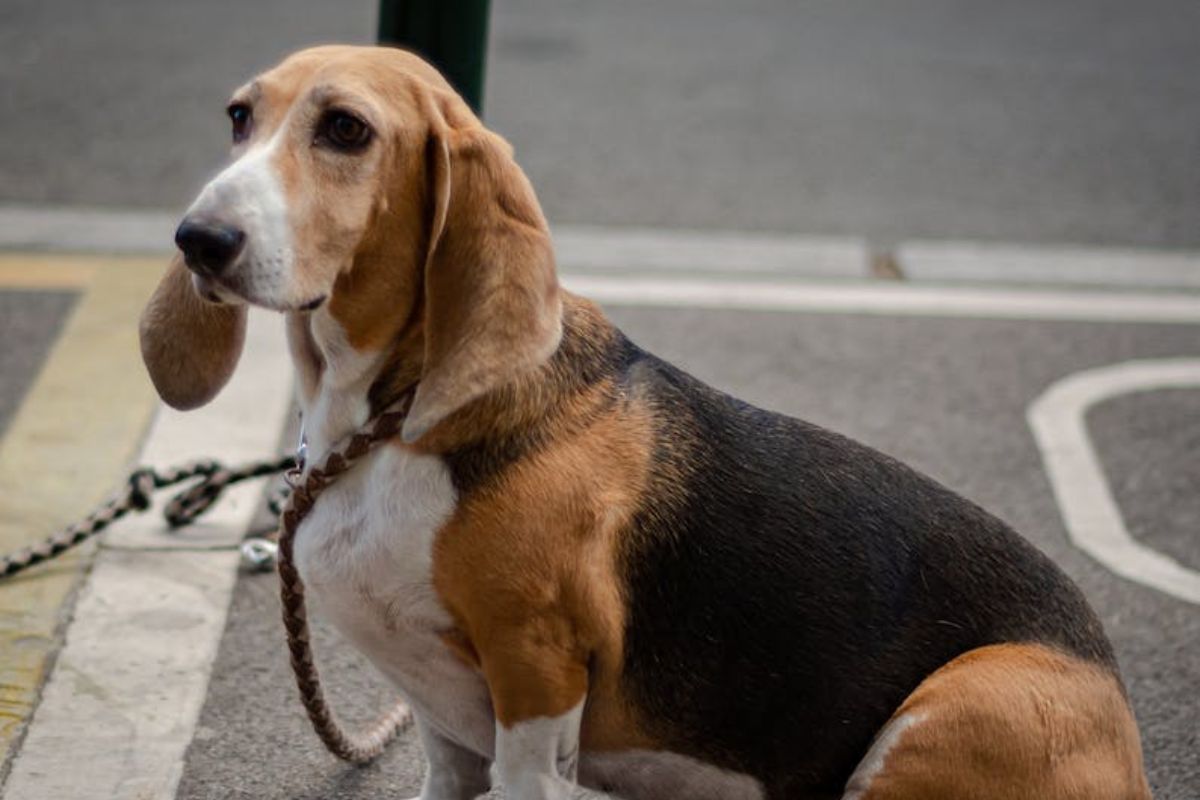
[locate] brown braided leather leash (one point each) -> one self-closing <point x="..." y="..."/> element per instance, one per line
<point x="307" y="486"/>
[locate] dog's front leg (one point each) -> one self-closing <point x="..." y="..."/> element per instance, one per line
<point x="538" y="689"/>
<point x="451" y="771"/>
<point x="537" y="759"/>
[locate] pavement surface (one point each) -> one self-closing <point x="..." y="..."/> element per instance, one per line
<point x="1073" y="123"/>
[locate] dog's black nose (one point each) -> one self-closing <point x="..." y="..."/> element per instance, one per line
<point x="208" y="247"/>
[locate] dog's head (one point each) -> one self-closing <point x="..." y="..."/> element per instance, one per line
<point x="363" y="191"/>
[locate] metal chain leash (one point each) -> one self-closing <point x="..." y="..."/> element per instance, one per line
<point x="307" y="484"/>
<point x="183" y="508"/>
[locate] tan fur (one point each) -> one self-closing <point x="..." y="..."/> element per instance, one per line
<point x="433" y="240"/>
<point x="361" y="224"/>
<point x="1014" y="722"/>
<point x="492" y="298"/>
<point x="455" y="251"/>
<point x="190" y="346"/>
<point x="528" y="565"/>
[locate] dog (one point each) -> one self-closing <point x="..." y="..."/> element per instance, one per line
<point x="579" y="564"/>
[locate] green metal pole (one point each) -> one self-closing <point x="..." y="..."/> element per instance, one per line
<point x="450" y="34"/>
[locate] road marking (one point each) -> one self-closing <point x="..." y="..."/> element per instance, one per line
<point x="890" y="299"/>
<point x="1009" y="263"/>
<point x="42" y="272"/>
<point x="1090" y="513"/>
<point x="125" y="695"/>
<point x="72" y="436"/>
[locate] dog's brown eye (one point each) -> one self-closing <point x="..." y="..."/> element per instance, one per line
<point x="239" y="115"/>
<point x="343" y="130"/>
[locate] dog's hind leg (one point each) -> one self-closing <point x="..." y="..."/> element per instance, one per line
<point x="1008" y="722"/>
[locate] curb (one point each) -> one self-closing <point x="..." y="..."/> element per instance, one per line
<point x="637" y="251"/>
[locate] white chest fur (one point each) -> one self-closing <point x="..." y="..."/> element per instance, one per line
<point x="365" y="553"/>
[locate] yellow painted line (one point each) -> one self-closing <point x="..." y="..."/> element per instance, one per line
<point x="68" y="446"/>
<point x="45" y="272"/>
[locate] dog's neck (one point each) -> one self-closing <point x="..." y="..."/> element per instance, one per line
<point x="339" y="387"/>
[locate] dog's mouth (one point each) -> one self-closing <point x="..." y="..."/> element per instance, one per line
<point x="214" y="291"/>
<point x="220" y="293"/>
<point x="283" y="308"/>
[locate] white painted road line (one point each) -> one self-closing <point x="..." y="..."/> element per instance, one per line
<point x="1091" y="514"/>
<point x="889" y="299"/>
<point x="1084" y="266"/>
<point x="122" y="703"/>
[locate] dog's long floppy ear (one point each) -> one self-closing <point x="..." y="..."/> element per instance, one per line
<point x="190" y="346"/>
<point x="492" y="304"/>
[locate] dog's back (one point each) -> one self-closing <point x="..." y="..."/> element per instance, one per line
<point x="789" y="587"/>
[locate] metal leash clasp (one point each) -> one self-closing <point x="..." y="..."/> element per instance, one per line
<point x="293" y="475"/>
<point x="259" y="554"/>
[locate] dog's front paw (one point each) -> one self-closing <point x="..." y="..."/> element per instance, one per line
<point x="452" y="772"/>
<point x="539" y="787"/>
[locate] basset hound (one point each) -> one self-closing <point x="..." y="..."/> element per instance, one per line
<point x="579" y="564"/>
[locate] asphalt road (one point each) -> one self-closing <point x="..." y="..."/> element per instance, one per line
<point x="1071" y="121"/>
<point x="29" y="322"/>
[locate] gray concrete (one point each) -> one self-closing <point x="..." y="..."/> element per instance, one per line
<point x="898" y="384"/>
<point x="1072" y="121"/>
<point x="29" y="324"/>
